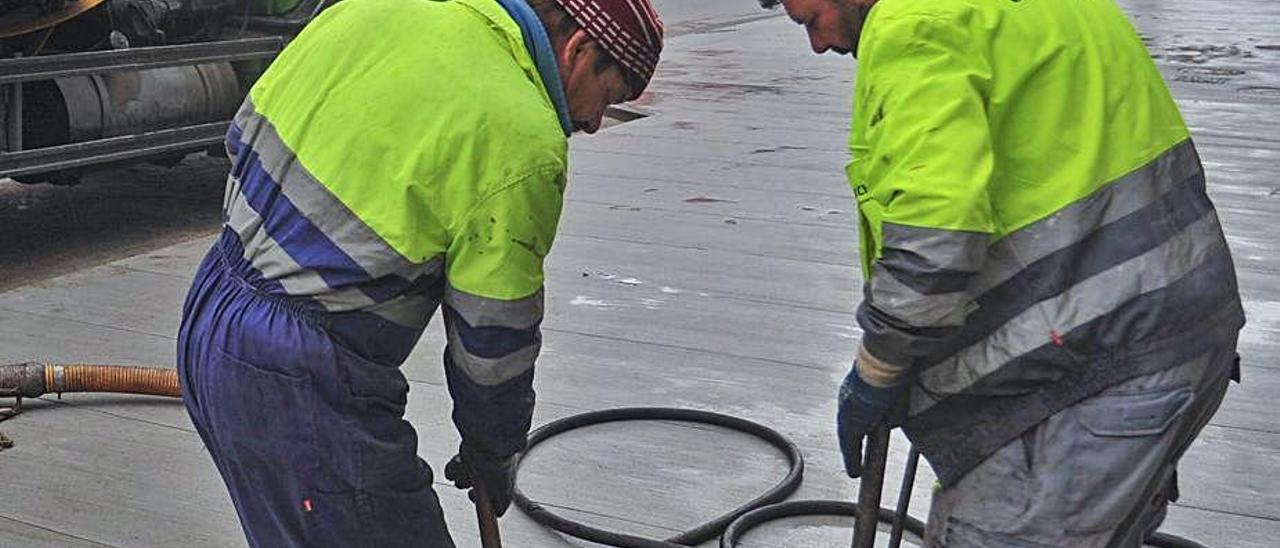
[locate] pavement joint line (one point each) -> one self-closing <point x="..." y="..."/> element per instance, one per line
<point x="89" y="408"/>
<point x="634" y="154"/>
<point x="1219" y="140"/>
<point x="772" y="87"/>
<point x="733" y="296"/>
<point x="156" y="272"/>
<point x="784" y="117"/>
<point x="82" y="322"/>
<point x="1244" y="428"/>
<point x="1227" y="512"/>
<point x="786" y="304"/>
<point x="699" y="27"/>
<point x="57" y="532"/>
<point x="687" y="182"/>
<point x="761" y="143"/>
<point x="724" y="121"/>
<point x="826" y="226"/>
<point x="623" y="519"/>
<point x="541" y="400"/>
<point x="686" y="348"/>
<point x="641" y="242"/>
<point x="706" y="106"/>
<point x="715" y="249"/>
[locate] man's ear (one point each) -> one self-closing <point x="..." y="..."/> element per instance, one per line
<point x="575" y="48"/>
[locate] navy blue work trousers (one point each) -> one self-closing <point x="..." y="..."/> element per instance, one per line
<point x="309" y="437"/>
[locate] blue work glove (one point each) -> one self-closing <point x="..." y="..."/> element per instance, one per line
<point x="495" y="475"/>
<point x="862" y="408"/>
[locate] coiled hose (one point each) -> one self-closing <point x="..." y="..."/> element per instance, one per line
<point x="731" y="526"/>
<point x="692" y="537"/>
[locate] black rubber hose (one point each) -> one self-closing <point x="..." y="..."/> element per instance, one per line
<point x="692" y="537"/>
<point x="751" y="519"/>
<point x="805" y="508"/>
<point x="1163" y="540"/>
<point x="734" y="524"/>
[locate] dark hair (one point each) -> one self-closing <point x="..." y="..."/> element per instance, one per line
<point x="770" y="3"/>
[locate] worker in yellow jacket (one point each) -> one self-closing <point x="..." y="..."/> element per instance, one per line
<point x="1050" y="306"/>
<point x="398" y="157"/>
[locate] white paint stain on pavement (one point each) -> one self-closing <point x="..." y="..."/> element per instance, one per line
<point x="583" y="300"/>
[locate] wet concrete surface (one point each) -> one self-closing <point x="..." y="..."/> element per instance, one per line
<point x="47" y="230"/>
<point x="706" y="259"/>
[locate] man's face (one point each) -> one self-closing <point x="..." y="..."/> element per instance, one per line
<point x="833" y="25"/>
<point x="592" y="82"/>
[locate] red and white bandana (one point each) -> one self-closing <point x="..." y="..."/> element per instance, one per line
<point x="629" y="30"/>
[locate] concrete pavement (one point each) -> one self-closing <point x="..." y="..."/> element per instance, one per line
<point x="706" y="259"/>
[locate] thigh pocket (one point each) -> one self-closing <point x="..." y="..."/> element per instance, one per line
<point x="1120" y="445"/>
<point x="264" y="423"/>
<point x="382" y="445"/>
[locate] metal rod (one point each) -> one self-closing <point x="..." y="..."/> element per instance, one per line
<point x="114" y="149"/>
<point x="490" y="535"/>
<point x="904" y="498"/>
<point x="47" y="67"/>
<point x="872" y="484"/>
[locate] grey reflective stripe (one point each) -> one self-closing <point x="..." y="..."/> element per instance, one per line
<point x="240" y="217"/>
<point x="490" y="371"/>
<point x="1088" y="300"/>
<point x="271" y="260"/>
<point x="265" y="254"/>
<point x="1075" y="222"/>
<point x="412" y="311"/>
<point x="914" y="308"/>
<point x="484" y="312"/>
<point x="922" y="275"/>
<point x="340" y="300"/>
<point x="232" y="190"/>
<point x="244" y="115"/>
<point x="921" y="252"/>
<point x="258" y="246"/>
<point x="321" y="207"/>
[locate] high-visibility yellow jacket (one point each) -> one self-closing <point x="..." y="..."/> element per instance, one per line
<point x="1034" y="222"/>
<point x="403" y="154"/>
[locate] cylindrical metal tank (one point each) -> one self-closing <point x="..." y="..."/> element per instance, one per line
<point x="84" y="108"/>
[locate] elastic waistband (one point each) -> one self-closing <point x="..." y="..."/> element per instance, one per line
<point x="228" y="252"/>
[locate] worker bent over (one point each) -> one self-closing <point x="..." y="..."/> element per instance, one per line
<point x="1049" y="298"/>
<point x="398" y="156"/>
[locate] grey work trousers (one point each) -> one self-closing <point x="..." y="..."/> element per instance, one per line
<point x="1098" y="473"/>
